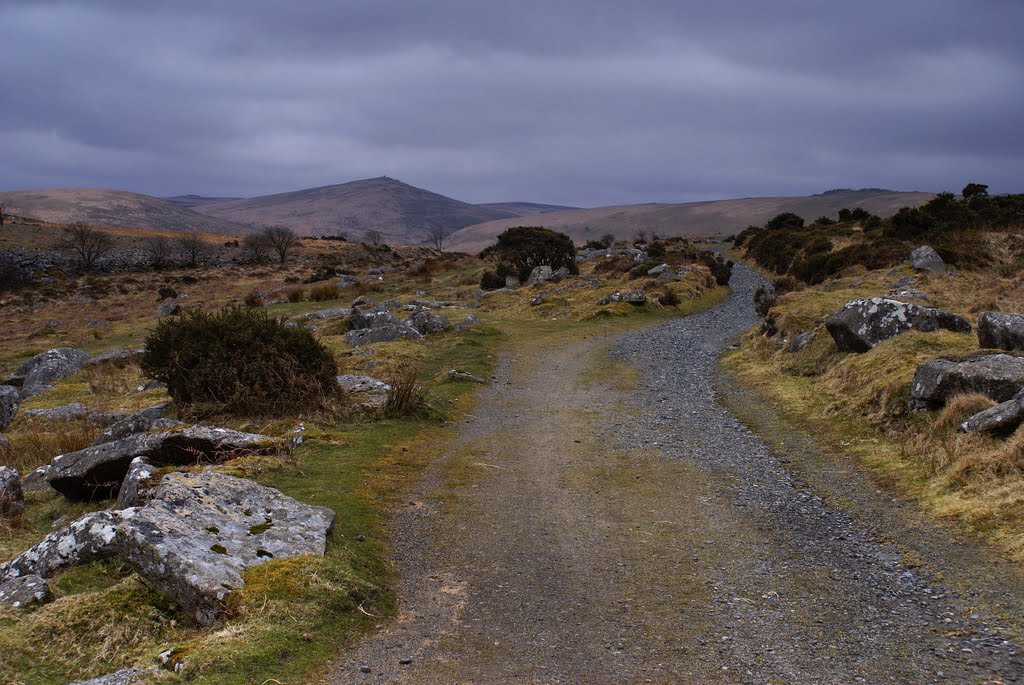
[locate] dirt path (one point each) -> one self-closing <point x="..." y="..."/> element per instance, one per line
<point x="580" y="528"/>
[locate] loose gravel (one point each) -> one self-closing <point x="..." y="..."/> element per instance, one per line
<point x="582" y="526"/>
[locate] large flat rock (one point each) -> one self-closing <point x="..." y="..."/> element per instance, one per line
<point x="192" y="540"/>
<point x="862" y="324"/>
<point x="98" y="471"/>
<point x="997" y="376"/>
<point x="37" y="373"/>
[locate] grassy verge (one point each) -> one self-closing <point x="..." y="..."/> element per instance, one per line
<point x="857" y="403"/>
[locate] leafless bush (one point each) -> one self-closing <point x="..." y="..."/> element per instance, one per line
<point x="374" y="237"/>
<point x="87" y="245"/>
<point x="159" y="250"/>
<point x="192" y="247"/>
<point x="281" y="239"/>
<point x="255" y="248"/>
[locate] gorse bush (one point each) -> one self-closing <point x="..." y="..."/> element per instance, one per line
<point x="239" y="361"/>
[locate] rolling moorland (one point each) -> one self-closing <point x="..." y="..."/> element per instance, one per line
<point x="404" y="214"/>
<point x="645" y="463"/>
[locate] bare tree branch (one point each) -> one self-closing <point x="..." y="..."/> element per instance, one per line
<point x="86" y="244"/>
<point x="281" y="239"/>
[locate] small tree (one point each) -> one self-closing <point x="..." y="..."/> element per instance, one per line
<point x="255" y="248"/>
<point x="159" y="250"/>
<point x="281" y="240"/>
<point x="437" y="235"/>
<point x="3" y="211"/>
<point x="87" y="245"/>
<point x="970" y="190"/>
<point x="374" y="237"/>
<point x="192" y="247"/>
<point x="522" y="248"/>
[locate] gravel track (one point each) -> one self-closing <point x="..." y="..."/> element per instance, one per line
<point x="576" y="529"/>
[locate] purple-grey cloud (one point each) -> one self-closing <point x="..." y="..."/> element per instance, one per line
<point x="567" y="101"/>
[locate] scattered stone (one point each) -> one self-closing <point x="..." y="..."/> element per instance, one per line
<point x="561" y="273"/>
<point x="430" y="304"/>
<point x="925" y="258"/>
<point x="140" y="422"/>
<point x="634" y="297"/>
<point x="904" y="294"/>
<point x="465" y="324"/>
<point x="363" y="318"/>
<point x="540" y="274"/>
<point x="160" y="385"/>
<point x="539" y="300"/>
<point x="455" y="375"/>
<point x="1002" y="418"/>
<point x="862" y="324"/>
<point x="201" y="531"/>
<point x="904" y="282"/>
<point x="362" y="301"/>
<point x="366" y="391"/>
<point x="25" y="591"/>
<point x="390" y="333"/>
<point x="428" y="323"/>
<point x="133" y="492"/>
<point x="1000" y="331"/>
<point x="37" y="373"/>
<point x="99" y="470"/>
<point x="333" y="313"/>
<point x="10" y="400"/>
<point x="997" y="376"/>
<point x="512" y="282"/>
<point x="126" y="676"/>
<point x="658" y="270"/>
<point x="117" y="357"/>
<point x="12" y="497"/>
<point x="76" y="411"/>
<point x="800" y="341"/>
<point x="168" y="309"/>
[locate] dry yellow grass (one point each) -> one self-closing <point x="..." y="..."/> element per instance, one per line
<point x="861" y="399"/>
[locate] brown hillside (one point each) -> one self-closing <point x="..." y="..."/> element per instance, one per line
<point x="112" y="208"/>
<point x="402" y="213"/>
<point x="721" y="217"/>
<point x="525" y="208"/>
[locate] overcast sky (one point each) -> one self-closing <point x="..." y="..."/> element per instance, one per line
<point x="563" y="101"/>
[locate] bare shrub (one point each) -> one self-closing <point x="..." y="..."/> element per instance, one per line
<point x="255" y="248"/>
<point x="295" y="294"/>
<point x="374" y="237"/>
<point x="87" y="245"/>
<point x="192" y="247"/>
<point x="281" y="240"/>
<point x="159" y="251"/>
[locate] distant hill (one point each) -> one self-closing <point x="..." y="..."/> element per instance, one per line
<point x="193" y="201"/>
<point x="720" y="217"/>
<point x="115" y="208"/>
<point x="401" y="212"/>
<point x="525" y="208"/>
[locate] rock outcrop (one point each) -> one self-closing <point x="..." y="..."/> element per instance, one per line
<point x="76" y="411"/>
<point x="37" y="373"/>
<point x="133" y="491"/>
<point x="139" y="422"/>
<point x="99" y="470"/>
<point x="428" y="323"/>
<point x="126" y="676"/>
<point x="24" y="591"/>
<point x="540" y="274"/>
<point x="192" y="541"/>
<point x="925" y="258"/>
<point x="862" y="324"/>
<point x="10" y="400"/>
<point x="634" y="297"/>
<point x="375" y="317"/>
<point x="117" y="357"/>
<point x="1001" y="419"/>
<point x="333" y="313"/>
<point x="392" y="333"/>
<point x="997" y="376"/>
<point x="1000" y="331"/>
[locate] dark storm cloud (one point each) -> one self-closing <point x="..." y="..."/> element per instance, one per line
<point x="558" y="101"/>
